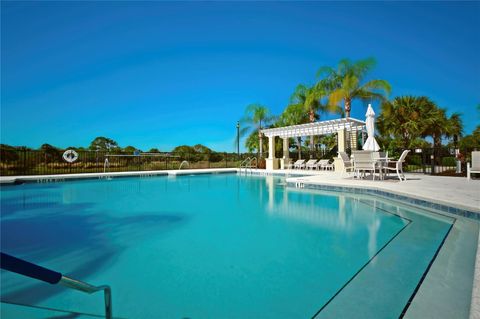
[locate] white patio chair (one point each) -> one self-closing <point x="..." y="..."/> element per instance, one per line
<point x="328" y="166"/>
<point x="322" y="164"/>
<point x="311" y="164"/>
<point x="398" y="166"/>
<point x="347" y="163"/>
<point x="363" y="161"/>
<point x="475" y="168"/>
<point x="299" y="164"/>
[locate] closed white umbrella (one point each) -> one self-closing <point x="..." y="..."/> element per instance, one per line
<point x="370" y="144"/>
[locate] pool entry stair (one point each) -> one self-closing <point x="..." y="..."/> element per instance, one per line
<point x="25" y="268"/>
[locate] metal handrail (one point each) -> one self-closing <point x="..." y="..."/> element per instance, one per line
<point x="247" y="163"/>
<point x="244" y="162"/>
<point x="34" y="271"/>
<point x="256" y="163"/>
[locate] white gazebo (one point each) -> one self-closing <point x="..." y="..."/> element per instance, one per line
<point x="339" y="126"/>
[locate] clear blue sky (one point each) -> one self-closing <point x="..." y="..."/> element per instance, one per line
<point x="159" y="74"/>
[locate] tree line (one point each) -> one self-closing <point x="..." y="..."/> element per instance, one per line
<point x="105" y="144"/>
<point x="403" y="122"/>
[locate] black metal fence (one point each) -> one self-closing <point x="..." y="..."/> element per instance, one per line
<point x="435" y="161"/>
<point x="21" y="161"/>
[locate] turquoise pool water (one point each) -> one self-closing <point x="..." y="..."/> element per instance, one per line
<point x="216" y="246"/>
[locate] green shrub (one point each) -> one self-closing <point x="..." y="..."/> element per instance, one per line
<point x="415" y="160"/>
<point x="449" y="161"/>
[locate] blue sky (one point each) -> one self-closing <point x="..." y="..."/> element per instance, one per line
<point x="160" y="74"/>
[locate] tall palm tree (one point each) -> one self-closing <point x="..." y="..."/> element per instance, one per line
<point x="454" y="126"/>
<point x="310" y="99"/>
<point x="294" y="114"/>
<point x="256" y="117"/>
<point x="438" y="125"/>
<point x="347" y="83"/>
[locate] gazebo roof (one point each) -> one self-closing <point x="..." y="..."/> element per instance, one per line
<point x="315" y="128"/>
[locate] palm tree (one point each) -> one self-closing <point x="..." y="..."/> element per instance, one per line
<point x="256" y="117"/>
<point x="346" y="83"/>
<point x="407" y="118"/>
<point x="403" y="119"/>
<point x="454" y="126"/>
<point x="294" y="114"/>
<point x="438" y="125"/>
<point x="310" y="99"/>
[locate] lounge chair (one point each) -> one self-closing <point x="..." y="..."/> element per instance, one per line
<point x="311" y="164"/>
<point x="347" y="163"/>
<point x="324" y="164"/>
<point x="475" y="168"/>
<point x="328" y="165"/>
<point x="299" y="164"/>
<point x="398" y="166"/>
<point x="363" y="161"/>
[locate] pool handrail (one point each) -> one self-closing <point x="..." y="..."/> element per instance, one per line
<point x="247" y="163"/>
<point x="25" y="268"/>
<point x="244" y="162"/>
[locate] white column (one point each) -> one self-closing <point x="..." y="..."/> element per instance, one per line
<point x="271" y="161"/>
<point x="341" y="148"/>
<point x="271" y="147"/>
<point x="286" y="154"/>
<point x="260" y="145"/>
<point x="341" y="140"/>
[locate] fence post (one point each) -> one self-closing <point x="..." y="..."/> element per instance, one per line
<point x="432" y="163"/>
<point x="24" y="160"/>
<point x="424" y="163"/>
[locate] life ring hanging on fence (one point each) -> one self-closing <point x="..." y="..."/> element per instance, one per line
<point x="70" y="156"/>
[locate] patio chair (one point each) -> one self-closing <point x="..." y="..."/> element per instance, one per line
<point x="398" y="166"/>
<point x="328" y="166"/>
<point x="311" y="164"/>
<point x="363" y="161"/>
<point x="321" y="163"/>
<point x="347" y="163"/>
<point x="299" y="164"/>
<point x="378" y="157"/>
<point x="475" y="168"/>
<point x="324" y="164"/>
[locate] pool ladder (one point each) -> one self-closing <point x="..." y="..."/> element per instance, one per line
<point x="25" y="268"/>
<point x="249" y="163"/>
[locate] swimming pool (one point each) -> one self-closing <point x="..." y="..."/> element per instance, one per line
<point x="217" y="246"/>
